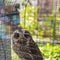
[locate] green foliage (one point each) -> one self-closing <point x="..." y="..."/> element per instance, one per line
<point x="50" y="51"/>
<point x="29" y="20"/>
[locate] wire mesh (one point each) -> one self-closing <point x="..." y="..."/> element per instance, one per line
<point x="6" y="9"/>
<point x="45" y="30"/>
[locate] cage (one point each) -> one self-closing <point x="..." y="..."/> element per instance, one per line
<point x="9" y="17"/>
<point x="40" y="17"/>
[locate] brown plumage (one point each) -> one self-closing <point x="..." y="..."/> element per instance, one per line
<point x="24" y="46"/>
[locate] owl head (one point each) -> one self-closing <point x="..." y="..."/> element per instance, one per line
<point x="21" y="36"/>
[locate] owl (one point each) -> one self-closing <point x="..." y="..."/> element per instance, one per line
<point x="24" y="46"/>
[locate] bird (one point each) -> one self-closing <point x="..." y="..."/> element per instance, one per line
<point x="24" y="45"/>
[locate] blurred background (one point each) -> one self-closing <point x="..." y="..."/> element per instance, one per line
<point x="40" y="17"/>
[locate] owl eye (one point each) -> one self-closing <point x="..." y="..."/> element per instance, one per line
<point x="16" y="35"/>
<point x="27" y="34"/>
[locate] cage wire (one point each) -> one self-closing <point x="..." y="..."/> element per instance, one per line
<point x="6" y="22"/>
<point x="6" y="10"/>
<point x="4" y="41"/>
<point x="42" y="17"/>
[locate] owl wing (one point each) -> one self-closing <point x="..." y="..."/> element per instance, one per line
<point x="35" y="51"/>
